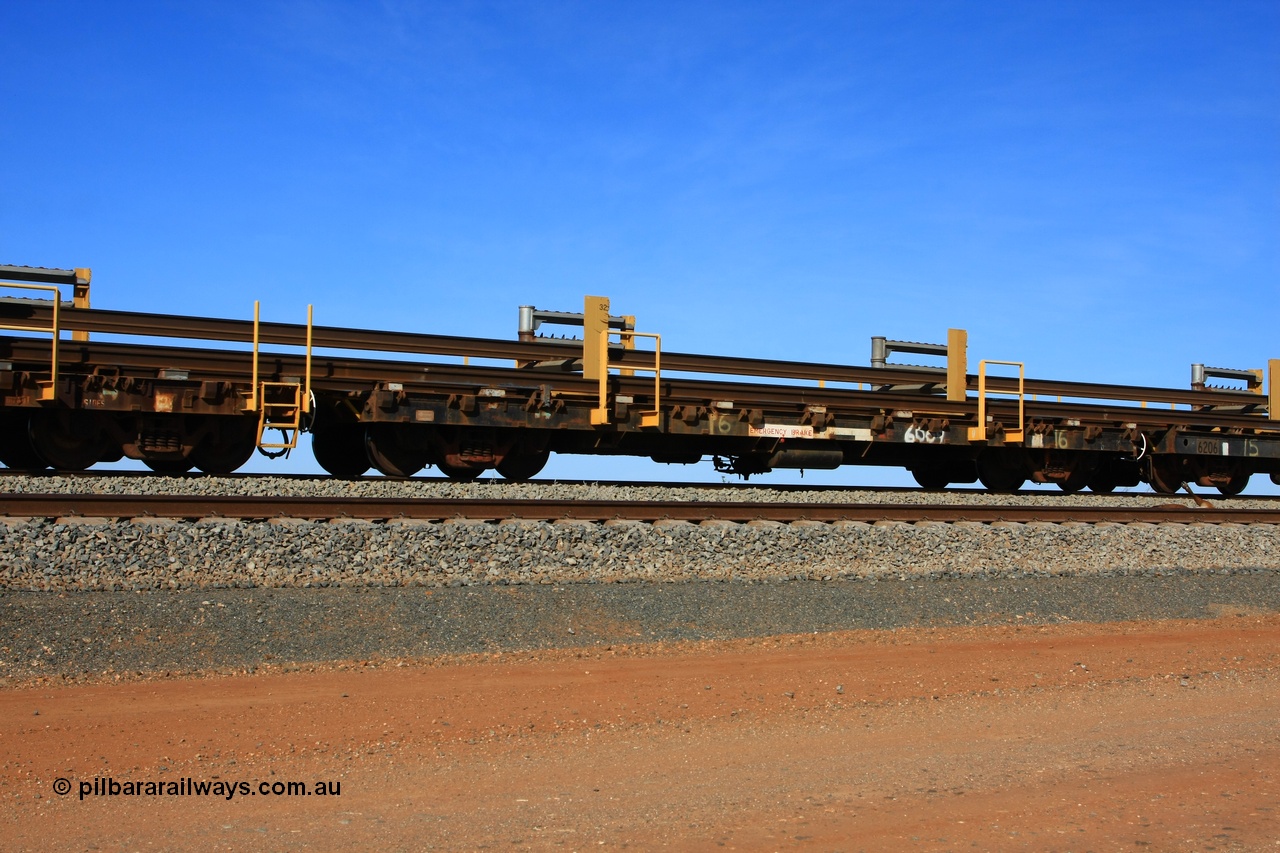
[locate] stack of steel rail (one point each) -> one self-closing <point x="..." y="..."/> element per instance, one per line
<point x="1222" y="408"/>
<point x="84" y="401"/>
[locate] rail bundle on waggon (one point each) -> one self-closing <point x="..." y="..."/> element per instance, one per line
<point x="70" y="401"/>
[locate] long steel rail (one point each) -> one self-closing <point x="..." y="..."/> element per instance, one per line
<point x="340" y="371"/>
<point x="292" y="334"/>
<point x="438" y="509"/>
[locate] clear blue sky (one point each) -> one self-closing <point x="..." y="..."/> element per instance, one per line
<point x="1091" y="188"/>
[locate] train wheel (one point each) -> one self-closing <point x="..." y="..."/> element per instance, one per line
<point x="1002" y="481"/>
<point x="339" y="449"/>
<point x="932" y="479"/>
<point x="16" y="451"/>
<point x="1075" y="481"/>
<point x="69" y="441"/>
<point x="228" y="448"/>
<point x="390" y="450"/>
<point x="459" y="473"/>
<point x="168" y="466"/>
<point x="1165" y="479"/>
<point x="1235" y="485"/>
<point x="519" y="467"/>
<point x="1103" y="481"/>
<point x="998" y="474"/>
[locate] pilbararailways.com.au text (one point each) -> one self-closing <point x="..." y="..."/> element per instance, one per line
<point x="188" y="787"/>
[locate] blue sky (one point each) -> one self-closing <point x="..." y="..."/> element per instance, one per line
<point x="1090" y="188"/>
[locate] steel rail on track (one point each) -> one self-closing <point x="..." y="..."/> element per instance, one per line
<point x="426" y="477"/>
<point x="292" y="334"/>
<point x="441" y="509"/>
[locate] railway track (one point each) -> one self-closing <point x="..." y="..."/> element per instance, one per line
<point x="33" y="479"/>
<point x="438" y="509"/>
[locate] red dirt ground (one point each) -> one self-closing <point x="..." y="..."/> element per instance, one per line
<point x="1163" y="736"/>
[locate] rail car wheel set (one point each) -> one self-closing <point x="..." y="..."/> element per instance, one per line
<point x="69" y="401"/>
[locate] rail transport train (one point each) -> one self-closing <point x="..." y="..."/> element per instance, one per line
<point x="70" y="399"/>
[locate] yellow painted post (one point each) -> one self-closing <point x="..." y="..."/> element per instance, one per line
<point x="957" y="365"/>
<point x="595" y="340"/>
<point x="80" y="297"/>
<point x="628" y="340"/>
<point x="1273" y="388"/>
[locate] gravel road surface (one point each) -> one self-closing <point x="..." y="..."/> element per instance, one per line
<point x="89" y="636"/>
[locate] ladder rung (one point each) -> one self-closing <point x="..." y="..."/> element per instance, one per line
<point x="289" y="425"/>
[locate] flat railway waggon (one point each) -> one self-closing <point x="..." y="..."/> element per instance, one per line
<point x="70" y="400"/>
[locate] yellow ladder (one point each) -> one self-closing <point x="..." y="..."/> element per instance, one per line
<point x="280" y="405"/>
<point x="280" y="408"/>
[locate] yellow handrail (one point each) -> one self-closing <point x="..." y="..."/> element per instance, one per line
<point x="252" y="405"/>
<point x="254" y="402"/>
<point x="979" y="432"/>
<point x="50" y="392"/>
<point x="600" y="415"/>
<point x="306" y="388"/>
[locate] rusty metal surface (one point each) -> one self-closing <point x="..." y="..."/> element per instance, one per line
<point x="736" y="408"/>
<point x="186" y="506"/>
<point x="337" y="372"/>
<point x="293" y="334"/>
<point x="43" y="275"/>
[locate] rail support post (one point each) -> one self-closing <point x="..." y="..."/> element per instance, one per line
<point x="1273" y="389"/>
<point x="957" y="365"/>
<point x="595" y="342"/>
<point x="80" y="297"/>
